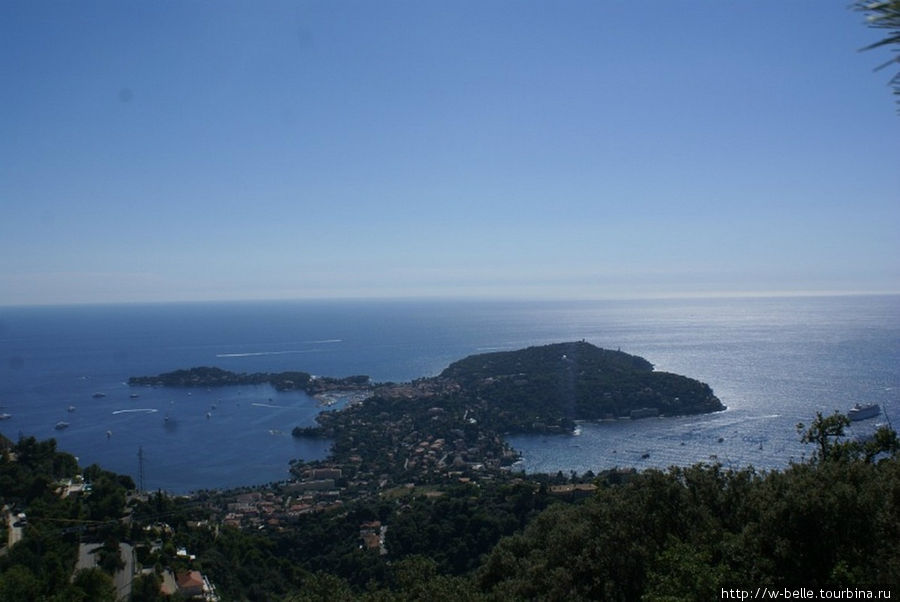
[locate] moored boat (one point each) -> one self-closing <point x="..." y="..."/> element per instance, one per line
<point x="61" y="425"/>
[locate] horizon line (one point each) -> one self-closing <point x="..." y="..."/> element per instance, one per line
<point x="469" y="298"/>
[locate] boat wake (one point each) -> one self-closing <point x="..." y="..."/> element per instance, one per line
<point x="265" y="405"/>
<point x="261" y="353"/>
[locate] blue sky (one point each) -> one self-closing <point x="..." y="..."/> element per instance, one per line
<point x="162" y="151"/>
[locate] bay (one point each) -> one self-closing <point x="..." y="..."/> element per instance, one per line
<point x="773" y="361"/>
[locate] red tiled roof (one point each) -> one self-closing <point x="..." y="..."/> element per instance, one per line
<point x="189" y="580"/>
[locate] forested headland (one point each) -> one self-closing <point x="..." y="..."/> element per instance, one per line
<point x="538" y="389"/>
<point x="209" y="376"/>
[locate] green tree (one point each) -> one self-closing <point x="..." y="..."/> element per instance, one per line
<point x="145" y="588"/>
<point x="96" y="585"/>
<point x="19" y="583"/>
<point x="109" y="557"/>
<point x="323" y="587"/>
<point x="417" y="578"/>
<point x="827" y="432"/>
<point x="884" y="441"/>
<point x="684" y="573"/>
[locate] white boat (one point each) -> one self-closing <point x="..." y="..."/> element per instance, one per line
<point x="5" y="416"/>
<point x="861" y="412"/>
<point x="61" y="425"/>
<point x="71" y="408"/>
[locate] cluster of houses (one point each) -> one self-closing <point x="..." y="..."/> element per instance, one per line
<point x="316" y="493"/>
<point x="185" y="584"/>
<point x="432" y="454"/>
<point x="258" y="509"/>
<point x="419" y="388"/>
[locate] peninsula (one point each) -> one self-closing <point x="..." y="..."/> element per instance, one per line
<point x="208" y="377"/>
<point x="457" y="420"/>
<point x="538" y="389"/>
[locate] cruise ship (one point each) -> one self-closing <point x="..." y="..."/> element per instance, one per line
<point x="861" y="412"/>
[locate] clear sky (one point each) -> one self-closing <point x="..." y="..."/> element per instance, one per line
<point x="193" y="150"/>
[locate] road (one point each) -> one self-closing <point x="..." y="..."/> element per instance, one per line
<point x="14" y="534"/>
<point x="123" y="578"/>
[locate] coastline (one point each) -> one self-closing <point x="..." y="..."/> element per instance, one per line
<point x="775" y="362"/>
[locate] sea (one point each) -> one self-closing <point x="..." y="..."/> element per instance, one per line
<point x="774" y="362"/>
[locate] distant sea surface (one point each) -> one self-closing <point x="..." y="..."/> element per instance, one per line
<point x="773" y="361"/>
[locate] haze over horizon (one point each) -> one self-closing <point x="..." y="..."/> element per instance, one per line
<point x="288" y="150"/>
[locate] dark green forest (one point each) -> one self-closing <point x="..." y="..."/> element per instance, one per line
<point x="564" y="382"/>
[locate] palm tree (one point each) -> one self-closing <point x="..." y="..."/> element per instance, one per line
<point x="884" y="14"/>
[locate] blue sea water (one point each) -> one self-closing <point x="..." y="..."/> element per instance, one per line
<point x="773" y="361"/>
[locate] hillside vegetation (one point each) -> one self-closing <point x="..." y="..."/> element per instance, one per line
<point x="576" y="381"/>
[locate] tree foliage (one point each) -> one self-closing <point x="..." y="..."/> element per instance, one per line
<point x="559" y="383"/>
<point x="686" y="532"/>
<point x="884" y="14"/>
<point x="828" y="435"/>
